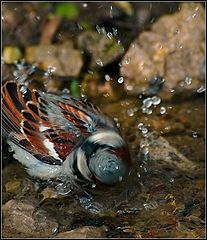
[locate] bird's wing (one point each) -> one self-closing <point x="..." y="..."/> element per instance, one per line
<point x="46" y="125"/>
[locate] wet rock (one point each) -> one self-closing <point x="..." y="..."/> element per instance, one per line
<point x="62" y="60"/>
<point x="102" y="47"/>
<point x="21" y="217"/>
<point x="13" y="186"/>
<point x="163" y="154"/>
<point x="173" y="49"/>
<point x="48" y="192"/>
<point x="83" y="232"/>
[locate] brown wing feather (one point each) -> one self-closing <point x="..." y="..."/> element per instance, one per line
<point x="22" y="118"/>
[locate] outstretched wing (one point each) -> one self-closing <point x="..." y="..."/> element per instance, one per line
<point x="46" y="125"/>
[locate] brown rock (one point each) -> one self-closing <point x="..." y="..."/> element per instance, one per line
<point x="173" y="49"/>
<point x="20" y="217"/>
<point x="83" y="232"/>
<point x="62" y="60"/>
<point x="13" y="186"/>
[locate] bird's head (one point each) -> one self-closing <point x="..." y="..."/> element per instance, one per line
<point x="104" y="158"/>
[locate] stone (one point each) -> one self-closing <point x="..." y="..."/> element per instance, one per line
<point x="61" y="60"/>
<point x="21" y="217"/>
<point x="83" y="232"/>
<point x="174" y="49"/>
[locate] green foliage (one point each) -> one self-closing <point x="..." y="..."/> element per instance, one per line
<point x="68" y="10"/>
<point x="74" y="88"/>
<point x="85" y="25"/>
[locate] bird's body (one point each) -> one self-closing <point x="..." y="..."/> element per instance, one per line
<point x="54" y="136"/>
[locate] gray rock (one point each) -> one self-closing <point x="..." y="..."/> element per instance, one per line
<point x="162" y="153"/>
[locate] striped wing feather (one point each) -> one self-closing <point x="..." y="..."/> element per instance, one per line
<point x="46" y="125"/>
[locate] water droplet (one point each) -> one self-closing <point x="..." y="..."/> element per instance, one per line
<point x="138" y="175"/>
<point x="129" y="87"/>
<point x="151" y="205"/>
<point x="106" y="95"/>
<point x="93" y="185"/>
<point x="201" y="89"/>
<point x="171" y="180"/>
<point x="98" y="29"/>
<point x="145" y="150"/>
<point x="51" y="69"/>
<point x="109" y="35"/>
<point x="107" y="77"/>
<point x="118" y="125"/>
<point x="23" y="89"/>
<point x="130" y="112"/>
<point x="188" y="80"/>
<point x="162" y="110"/>
<point x="127" y="60"/>
<point x="120" y="80"/>
<point x="144" y="130"/>
<point x="38" y="17"/>
<point x="120" y="178"/>
<point x="147" y="111"/>
<point x="66" y="91"/>
<point x="140" y="126"/>
<point x="54" y="230"/>
<point x="195" y="134"/>
<point x="147" y="102"/>
<point x="85" y="5"/>
<point x="99" y="62"/>
<point x="115" y="31"/>
<point x="103" y="30"/>
<point x="156" y="100"/>
<point x="85" y="198"/>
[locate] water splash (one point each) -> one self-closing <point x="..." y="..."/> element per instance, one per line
<point x="99" y="62"/>
<point x="147" y="103"/>
<point x="163" y="110"/>
<point x="201" y="89"/>
<point x="120" y="80"/>
<point x="107" y="77"/>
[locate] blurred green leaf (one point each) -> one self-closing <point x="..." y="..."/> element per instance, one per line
<point x="85" y="25"/>
<point x="67" y="10"/>
<point x="74" y="88"/>
<point x="44" y="4"/>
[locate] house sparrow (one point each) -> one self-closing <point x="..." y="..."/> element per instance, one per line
<point x="55" y="136"/>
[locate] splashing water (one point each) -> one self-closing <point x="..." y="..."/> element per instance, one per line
<point x="99" y="62"/>
<point x="162" y="110"/>
<point x="120" y="80"/>
<point x="147" y="103"/>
